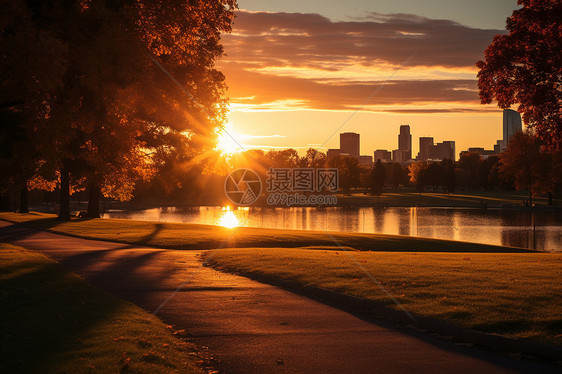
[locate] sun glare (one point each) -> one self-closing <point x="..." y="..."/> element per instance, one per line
<point x="228" y="140"/>
<point x="228" y="218"/>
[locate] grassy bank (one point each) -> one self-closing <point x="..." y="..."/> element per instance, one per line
<point x="54" y="322"/>
<point x="516" y="295"/>
<point x="192" y="236"/>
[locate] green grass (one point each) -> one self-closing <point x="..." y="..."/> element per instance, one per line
<point x="517" y="295"/>
<point x="438" y="199"/>
<point x="54" y="322"/>
<point x="193" y="236"/>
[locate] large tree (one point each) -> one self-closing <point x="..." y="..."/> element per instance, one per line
<point x="139" y="89"/>
<point x="526" y="163"/>
<point x="525" y="67"/>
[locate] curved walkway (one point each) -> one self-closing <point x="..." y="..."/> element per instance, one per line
<point x="250" y="327"/>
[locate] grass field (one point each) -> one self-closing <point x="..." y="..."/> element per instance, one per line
<point x="54" y="322"/>
<point x="496" y="289"/>
<point x="516" y="295"/>
<point x="192" y="236"/>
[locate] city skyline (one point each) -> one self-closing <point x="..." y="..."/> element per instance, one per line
<point x="295" y="75"/>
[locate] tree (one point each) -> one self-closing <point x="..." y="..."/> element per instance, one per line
<point x="31" y="69"/>
<point x="396" y="174"/>
<point x="468" y="168"/>
<point x="349" y="171"/>
<point x="117" y="115"/>
<point x="448" y="169"/>
<point x="378" y="178"/>
<point x="525" y="67"/>
<point x="416" y="171"/>
<point x="524" y="161"/>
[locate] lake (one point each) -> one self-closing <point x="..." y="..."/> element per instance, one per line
<point x="500" y="227"/>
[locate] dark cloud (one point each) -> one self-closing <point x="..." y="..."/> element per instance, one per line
<point x="263" y="40"/>
<point x="312" y="40"/>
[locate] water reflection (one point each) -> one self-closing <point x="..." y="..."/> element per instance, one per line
<point x="511" y="228"/>
<point x="228" y="219"/>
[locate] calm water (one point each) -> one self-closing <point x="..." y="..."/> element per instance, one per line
<point x="512" y="228"/>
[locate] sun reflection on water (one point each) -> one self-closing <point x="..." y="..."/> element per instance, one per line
<point x="228" y="218"/>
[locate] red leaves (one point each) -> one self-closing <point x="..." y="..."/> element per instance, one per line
<point x="525" y="66"/>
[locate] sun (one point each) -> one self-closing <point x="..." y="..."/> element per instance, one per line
<point x="228" y="140"/>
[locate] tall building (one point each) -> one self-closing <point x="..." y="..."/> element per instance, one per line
<point x="441" y="151"/>
<point x="405" y="141"/>
<point x="383" y="155"/>
<point x="426" y="143"/>
<point x="349" y="143"/>
<point x="335" y="153"/>
<point x="511" y="125"/>
<point x="399" y="155"/>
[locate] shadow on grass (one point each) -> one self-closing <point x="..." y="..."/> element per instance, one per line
<point x="45" y="311"/>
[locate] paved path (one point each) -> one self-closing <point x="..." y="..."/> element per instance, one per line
<point x="251" y="327"/>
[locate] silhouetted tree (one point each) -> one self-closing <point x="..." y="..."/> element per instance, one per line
<point x="525" y="67"/>
<point x="116" y="114"/>
<point x="349" y="171"/>
<point x="467" y="171"/>
<point x="524" y="161"/>
<point x="485" y="181"/>
<point x="448" y="180"/>
<point x="378" y="178"/>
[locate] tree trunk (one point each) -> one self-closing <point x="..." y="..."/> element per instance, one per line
<point x="550" y="198"/>
<point x="24" y="208"/>
<point x="94" y="192"/>
<point x="531" y="195"/>
<point x="64" y="209"/>
<point x="4" y="202"/>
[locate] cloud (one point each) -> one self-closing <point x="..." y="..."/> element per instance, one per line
<point x="284" y="61"/>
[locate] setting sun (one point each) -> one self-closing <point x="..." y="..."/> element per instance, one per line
<point x="228" y="140"/>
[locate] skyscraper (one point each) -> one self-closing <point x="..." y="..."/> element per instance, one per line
<point x="405" y="141"/>
<point x="349" y="143"/>
<point x="426" y="143"/>
<point x="511" y="125"/>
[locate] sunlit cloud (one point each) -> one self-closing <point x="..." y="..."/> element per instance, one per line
<point x="293" y="61"/>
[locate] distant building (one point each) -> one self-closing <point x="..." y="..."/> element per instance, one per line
<point x="383" y="155"/>
<point x="426" y="143"/>
<point x="498" y="147"/>
<point x="333" y="153"/>
<point x="511" y="125"/>
<point x="366" y="160"/>
<point x="481" y="151"/>
<point x="442" y="151"/>
<point x="401" y="156"/>
<point x="405" y="141"/>
<point x="349" y="143"/>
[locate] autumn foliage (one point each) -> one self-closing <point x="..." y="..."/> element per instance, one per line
<point x="525" y="67"/>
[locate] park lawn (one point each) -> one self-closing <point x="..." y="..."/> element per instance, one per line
<point x="516" y="295"/>
<point x="194" y="236"/>
<point x="54" y="322"/>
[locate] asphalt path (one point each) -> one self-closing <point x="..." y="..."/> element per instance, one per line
<point x="250" y="327"/>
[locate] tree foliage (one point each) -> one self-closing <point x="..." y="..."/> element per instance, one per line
<point x="123" y="88"/>
<point x="525" y="67"/>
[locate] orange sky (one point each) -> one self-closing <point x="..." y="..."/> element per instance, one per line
<point x="296" y="79"/>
